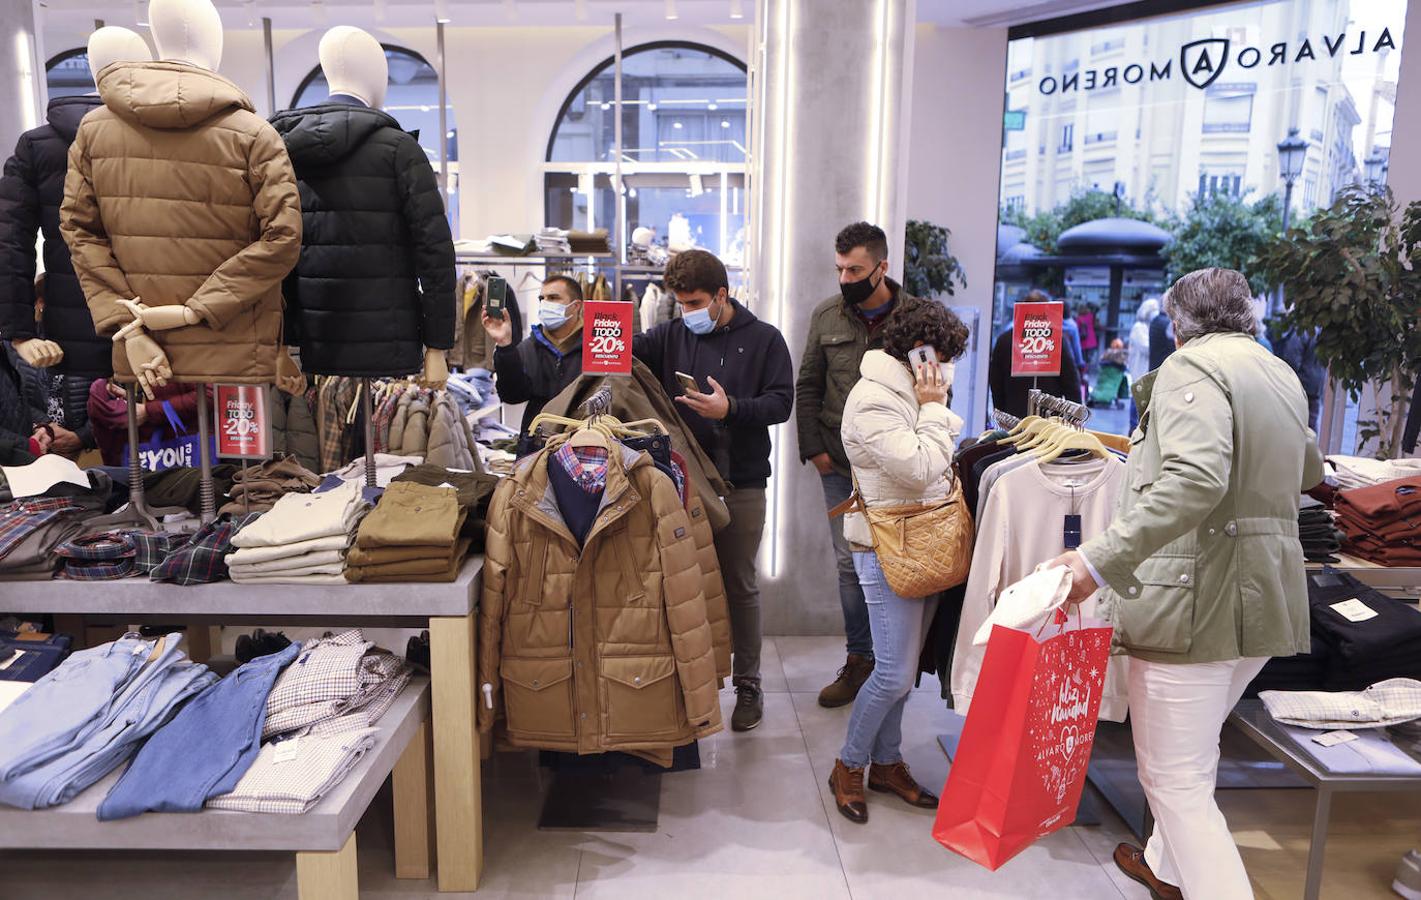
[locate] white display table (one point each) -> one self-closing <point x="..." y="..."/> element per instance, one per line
<point x="446" y="609"/>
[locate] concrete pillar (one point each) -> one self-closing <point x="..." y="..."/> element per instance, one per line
<point x="21" y="78"/>
<point x="832" y="83"/>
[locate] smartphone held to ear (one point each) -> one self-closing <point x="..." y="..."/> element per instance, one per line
<point x="497" y="297"/>
<point x="688" y="384"/>
<point x="927" y="356"/>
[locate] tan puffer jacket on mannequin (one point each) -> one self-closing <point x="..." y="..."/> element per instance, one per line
<point x="179" y="194"/>
<point x="602" y="648"/>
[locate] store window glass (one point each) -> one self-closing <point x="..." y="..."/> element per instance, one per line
<point x="413" y="99"/>
<point x="68" y="74"/>
<point x="1160" y="129"/>
<point x="684" y="148"/>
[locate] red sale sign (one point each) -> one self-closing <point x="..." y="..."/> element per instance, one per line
<point x="243" y="429"/>
<point x="1036" y="339"/>
<point x="607" y="337"/>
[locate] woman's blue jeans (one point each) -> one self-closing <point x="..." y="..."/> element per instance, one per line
<point x="898" y="624"/>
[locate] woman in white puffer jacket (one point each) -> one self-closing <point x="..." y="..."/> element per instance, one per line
<point x="899" y="436"/>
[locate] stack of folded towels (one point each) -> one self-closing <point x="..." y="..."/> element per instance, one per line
<point x="302" y="540"/>
<point x="1380" y="521"/>
<point x="413" y="534"/>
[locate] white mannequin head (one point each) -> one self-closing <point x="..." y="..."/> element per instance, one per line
<point x="354" y="64"/>
<point x="112" y="44"/>
<point x="187" y="31"/>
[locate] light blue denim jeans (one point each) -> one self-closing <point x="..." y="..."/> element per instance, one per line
<point x="898" y="624"/>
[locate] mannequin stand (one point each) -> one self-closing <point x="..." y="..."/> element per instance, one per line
<point x="367" y="410"/>
<point x="137" y="507"/>
<point x="206" y="492"/>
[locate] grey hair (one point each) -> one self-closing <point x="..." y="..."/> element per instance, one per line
<point x="1210" y="301"/>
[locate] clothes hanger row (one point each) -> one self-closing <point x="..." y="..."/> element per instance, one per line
<point x="599" y="430"/>
<point x="1048" y="439"/>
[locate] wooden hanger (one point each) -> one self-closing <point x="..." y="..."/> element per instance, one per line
<point x="157" y="648"/>
<point x="1076" y="440"/>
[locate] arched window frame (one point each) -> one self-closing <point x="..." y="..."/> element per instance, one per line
<point x="58" y="59"/>
<point x="726" y="178"/>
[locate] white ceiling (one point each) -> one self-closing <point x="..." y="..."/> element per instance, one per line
<point x="397" y="13"/>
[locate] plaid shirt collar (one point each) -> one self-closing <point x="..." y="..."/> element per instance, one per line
<point x="585" y="465"/>
<point x="203" y="559"/>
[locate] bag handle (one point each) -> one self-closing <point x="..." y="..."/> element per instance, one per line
<point x="175" y="421"/>
<point x="855" y="499"/>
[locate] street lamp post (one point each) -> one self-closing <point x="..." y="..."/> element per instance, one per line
<point x="1292" y="153"/>
<point x="1375" y="167"/>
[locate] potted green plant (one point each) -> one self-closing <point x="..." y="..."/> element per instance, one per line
<point x="928" y="268"/>
<point x="1353" y="275"/>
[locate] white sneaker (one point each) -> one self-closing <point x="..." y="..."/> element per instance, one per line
<point x="1408" y="876"/>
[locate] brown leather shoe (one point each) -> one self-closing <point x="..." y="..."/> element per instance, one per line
<point x="1131" y="860"/>
<point x="847" y="785"/>
<point x="847" y="683"/>
<point x="896" y="779"/>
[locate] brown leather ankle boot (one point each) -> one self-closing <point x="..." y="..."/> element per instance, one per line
<point x="896" y="779"/>
<point x="847" y="785"/>
<point x="845" y="687"/>
<point x="1131" y="860"/>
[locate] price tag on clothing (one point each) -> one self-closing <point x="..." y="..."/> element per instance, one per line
<point x="1354" y="610"/>
<point x="286" y="751"/>
<point x="1333" y="738"/>
<point x="1071" y="536"/>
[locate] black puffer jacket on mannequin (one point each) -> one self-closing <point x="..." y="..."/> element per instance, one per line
<point x="30" y="193"/>
<point x="376" y="281"/>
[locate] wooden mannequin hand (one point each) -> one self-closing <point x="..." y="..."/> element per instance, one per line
<point x="148" y="362"/>
<point x="39" y="353"/>
<point x="155" y="318"/>
<point x="436" y="369"/>
<point x="289" y="377"/>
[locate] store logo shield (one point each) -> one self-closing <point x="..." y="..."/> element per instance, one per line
<point x="1202" y="61"/>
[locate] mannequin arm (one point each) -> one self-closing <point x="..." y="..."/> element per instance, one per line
<point x="436" y="369"/>
<point x="19" y="227"/>
<point x="148" y="362"/>
<point x="154" y="318"/>
<point x="289" y="377"/>
<point x="434" y="247"/>
<point x="79" y="221"/>
<point x="39" y="353"/>
<point x="261" y="265"/>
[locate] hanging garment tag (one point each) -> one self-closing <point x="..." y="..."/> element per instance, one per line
<point x="1354" y="610"/>
<point x="1071" y="536"/>
<point x="286" y="751"/>
<point x="1333" y="738"/>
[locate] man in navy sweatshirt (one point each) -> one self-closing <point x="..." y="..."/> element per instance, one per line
<point x="745" y="384"/>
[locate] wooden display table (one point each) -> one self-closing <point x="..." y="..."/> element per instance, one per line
<point x="323" y="839"/>
<point x="447" y="610"/>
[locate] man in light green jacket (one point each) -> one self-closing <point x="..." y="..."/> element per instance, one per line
<point x="1202" y="570"/>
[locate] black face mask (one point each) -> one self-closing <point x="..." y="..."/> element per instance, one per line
<point x="856" y="293"/>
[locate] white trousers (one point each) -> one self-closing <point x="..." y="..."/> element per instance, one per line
<point x="1177" y="712"/>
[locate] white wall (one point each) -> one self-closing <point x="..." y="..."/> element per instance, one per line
<point x="954" y="162"/>
<point x="506" y="86"/>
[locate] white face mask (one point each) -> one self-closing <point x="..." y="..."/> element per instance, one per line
<point x="552" y="316"/>
<point x="948" y="369"/>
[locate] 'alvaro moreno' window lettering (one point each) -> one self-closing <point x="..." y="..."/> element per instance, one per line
<point x="1201" y="62"/>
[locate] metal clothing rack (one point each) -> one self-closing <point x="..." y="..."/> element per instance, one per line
<point x="1040" y="403"/>
<point x="1005" y="420"/>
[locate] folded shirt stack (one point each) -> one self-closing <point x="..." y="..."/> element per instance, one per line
<point x="1383" y="522"/>
<point x="88" y="716"/>
<point x="1321" y="539"/>
<point x="291" y="776"/>
<point x="1390" y="702"/>
<point x="474" y="491"/>
<point x="1351" y="472"/>
<point x="413" y="534"/>
<point x="302" y="540"/>
<point x="202" y="558"/>
<point x="103" y="556"/>
<point x="1369" y="636"/>
<point x="31" y="532"/>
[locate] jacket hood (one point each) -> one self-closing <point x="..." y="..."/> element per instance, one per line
<point x="325" y="134"/>
<point x="65" y="113"/>
<point x="167" y="94"/>
<point x="880" y="368"/>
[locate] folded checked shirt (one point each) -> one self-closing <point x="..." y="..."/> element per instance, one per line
<point x="206" y="748"/>
<point x="202" y="559"/>
<point x="291" y="776"/>
<point x="1373" y="753"/>
<point x="82" y="721"/>
<point x="19" y="519"/>
<point x="1388" y="702"/>
<point x="247" y="556"/>
<point x="303" y="517"/>
<point x="333" y="677"/>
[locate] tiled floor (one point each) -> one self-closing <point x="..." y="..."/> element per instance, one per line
<point x="758" y="821"/>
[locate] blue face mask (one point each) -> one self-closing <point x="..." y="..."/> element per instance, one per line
<point x="552" y="316"/>
<point x="699" y="321"/>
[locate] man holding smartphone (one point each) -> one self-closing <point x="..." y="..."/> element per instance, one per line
<point x="536" y="370"/>
<point x="732" y="378"/>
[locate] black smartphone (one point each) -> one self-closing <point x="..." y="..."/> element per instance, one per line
<point x="497" y="297"/>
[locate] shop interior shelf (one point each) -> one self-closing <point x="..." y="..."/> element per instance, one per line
<point x="141" y="597"/>
<point x="74" y="826"/>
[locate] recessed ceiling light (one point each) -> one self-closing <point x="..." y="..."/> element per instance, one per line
<point x="671" y="13"/>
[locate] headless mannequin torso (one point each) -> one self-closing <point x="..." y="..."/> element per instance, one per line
<point x="109" y="44"/>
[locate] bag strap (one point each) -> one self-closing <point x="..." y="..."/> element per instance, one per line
<point x="854" y="499"/>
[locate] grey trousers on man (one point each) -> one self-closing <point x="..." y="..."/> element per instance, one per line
<point x="736" y="546"/>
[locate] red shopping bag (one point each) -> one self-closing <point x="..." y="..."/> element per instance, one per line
<point x="1021" y="763"/>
